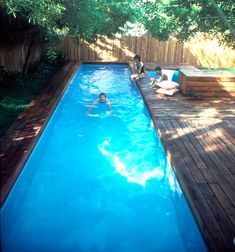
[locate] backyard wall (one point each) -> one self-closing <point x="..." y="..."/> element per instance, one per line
<point x="13" y="57"/>
<point x="199" y="52"/>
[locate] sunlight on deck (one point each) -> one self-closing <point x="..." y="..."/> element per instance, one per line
<point x="209" y="112"/>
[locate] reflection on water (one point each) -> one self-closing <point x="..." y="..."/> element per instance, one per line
<point x="138" y="173"/>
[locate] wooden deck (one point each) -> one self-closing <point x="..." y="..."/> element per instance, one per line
<point x="199" y="139"/>
<point x="198" y="136"/>
<point x="18" y="142"/>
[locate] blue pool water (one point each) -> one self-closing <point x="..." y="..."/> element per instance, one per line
<point x="100" y="182"/>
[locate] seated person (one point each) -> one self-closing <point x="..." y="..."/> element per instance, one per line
<point x="164" y="85"/>
<point x="139" y="65"/>
<point x="160" y="76"/>
<point x="102" y="99"/>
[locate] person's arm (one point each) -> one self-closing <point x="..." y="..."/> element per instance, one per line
<point x="92" y="105"/>
<point x="152" y="82"/>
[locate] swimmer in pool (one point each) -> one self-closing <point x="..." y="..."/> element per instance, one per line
<point x="102" y="99"/>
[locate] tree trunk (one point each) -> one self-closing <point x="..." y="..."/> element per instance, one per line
<point x="26" y="63"/>
<point x="34" y="49"/>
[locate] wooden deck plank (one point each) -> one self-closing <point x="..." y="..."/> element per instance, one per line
<point x="201" y="151"/>
<point x="216" y="147"/>
<point x="225" y="138"/>
<point x="196" y="173"/>
<point x="227" y="188"/>
<point x="229" y="127"/>
<point x="210" y="178"/>
<point x="227" y="131"/>
<point x="224" y="201"/>
<point x="231" y="181"/>
<point x="230" y="153"/>
<point x="214" y="167"/>
<point x="218" y="210"/>
<point x="209" y="149"/>
<point x="232" y="121"/>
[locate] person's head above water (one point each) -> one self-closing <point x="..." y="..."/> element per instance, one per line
<point x="102" y="97"/>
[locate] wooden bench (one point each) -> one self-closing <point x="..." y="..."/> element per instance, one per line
<point x="207" y="83"/>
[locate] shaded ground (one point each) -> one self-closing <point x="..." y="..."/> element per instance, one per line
<point x="16" y="93"/>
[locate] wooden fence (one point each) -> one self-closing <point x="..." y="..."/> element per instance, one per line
<point x="199" y="52"/>
<point x="13" y="58"/>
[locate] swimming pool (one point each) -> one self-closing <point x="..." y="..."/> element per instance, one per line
<point x="99" y="182"/>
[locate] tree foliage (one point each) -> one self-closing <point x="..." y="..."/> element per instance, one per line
<point x="91" y="18"/>
<point x="88" y="19"/>
<point x="53" y="20"/>
<point x="84" y="18"/>
<point x="183" y="18"/>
